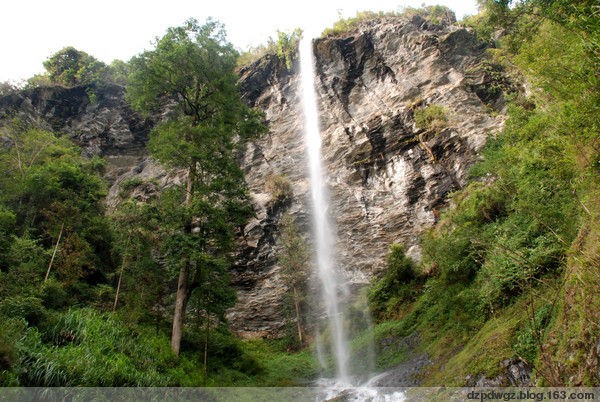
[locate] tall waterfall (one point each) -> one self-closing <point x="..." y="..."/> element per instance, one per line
<point x="330" y="282"/>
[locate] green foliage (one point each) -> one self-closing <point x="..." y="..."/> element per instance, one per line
<point x="279" y="367"/>
<point x="90" y="349"/>
<point x="497" y="253"/>
<point x="399" y="284"/>
<point x="118" y="72"/>
<point x="435" y="14"/>
<point x="29" y="308"/>
<point x="294" y="259"/>
<point x="528" y="340"/>
<point x="128" y="185"/>
<point x="191" y="72"/>
<point x="47" y="189"/>
<point x="199" y="63"/>
<point x="285" y="47"/>
<point x="348" y="24"/>
<point x="431" y="118"/>
<point x="70" y="67"/>
<point x="8" y="88"/>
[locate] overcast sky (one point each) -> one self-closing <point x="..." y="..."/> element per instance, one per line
<point x="31" y="31"/>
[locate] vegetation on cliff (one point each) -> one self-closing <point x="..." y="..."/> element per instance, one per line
<point x="511" y="262"/>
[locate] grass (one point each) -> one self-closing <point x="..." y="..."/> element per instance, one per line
<point x="280" y="368"/>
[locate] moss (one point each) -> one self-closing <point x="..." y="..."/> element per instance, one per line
<point x="569" y="355"/>
<point x="481" y="351"/>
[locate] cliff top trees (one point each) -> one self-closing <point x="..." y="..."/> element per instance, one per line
<point x="70" y="66"/>
<point x="190" y="74"/>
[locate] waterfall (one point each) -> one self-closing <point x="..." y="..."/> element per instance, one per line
<point x="331" y="284"/>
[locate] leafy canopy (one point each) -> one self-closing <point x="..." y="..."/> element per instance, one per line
<point x="71" y="67"/>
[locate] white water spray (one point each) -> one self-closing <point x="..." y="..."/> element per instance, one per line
<point x="324" y="239"/>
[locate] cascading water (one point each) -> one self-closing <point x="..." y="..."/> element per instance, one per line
<point x="333" y="287"/>
<point x="324" y="241"/>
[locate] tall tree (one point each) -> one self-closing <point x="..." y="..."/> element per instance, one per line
<point x="190" y="75"/>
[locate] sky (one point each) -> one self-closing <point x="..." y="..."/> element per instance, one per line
<point x="31" y="31"/>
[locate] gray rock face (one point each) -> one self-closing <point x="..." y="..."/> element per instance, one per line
<point x="387" y="178"/>
<point x="98" y="119"/>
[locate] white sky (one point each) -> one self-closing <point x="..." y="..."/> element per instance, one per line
<point x="31" y="31"/>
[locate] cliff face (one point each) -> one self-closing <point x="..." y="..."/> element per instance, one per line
<point x="388" y="178"/>
<point x="98" y="119"/>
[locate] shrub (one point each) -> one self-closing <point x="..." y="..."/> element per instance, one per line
<point x="128" y="185"/>
<point x="28" y="307"/>
<point x="347" y="24"/>
<point x="398" y="284"/>
<point x="431" y="118"/>
<point x="434" y="14"/>
<point x="528" y="339"/>
<point x="279" y="187"/>
<point x="54" y="295"/>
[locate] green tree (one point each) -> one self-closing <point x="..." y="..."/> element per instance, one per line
<point x="54" y="199"/>
<point x="117" y="72"/>
<point x="190" y="72"/>
<point x="294" y="259"/>
<point x="71" y="67"/>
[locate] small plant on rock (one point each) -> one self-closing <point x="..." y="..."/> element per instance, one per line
<point x="279" y="187"/>
<point x="431" y="118"/>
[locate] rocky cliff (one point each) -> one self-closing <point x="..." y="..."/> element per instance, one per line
<point x="388" y="176"/>
<point x="98" y="119"/>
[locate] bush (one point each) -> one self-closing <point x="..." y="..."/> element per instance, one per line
<point x="128" y="185"/>
<point x="398" y="284"/>
<point x="27" y="307"/>
<point x="431" y="118"/>
<point x="53" y="295"/>
<point x="434" y="14"/>
<point x="528" y="339"/>
<point x="279" y="187"/>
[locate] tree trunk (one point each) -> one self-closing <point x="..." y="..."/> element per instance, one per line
<point x="181" y="297"/>
<point x="125" y="264"/>
<point x="298" y="321"/>
<point x="118" y="289"/>
<point x="206" y="346"/>
<point x="54" y="252"/>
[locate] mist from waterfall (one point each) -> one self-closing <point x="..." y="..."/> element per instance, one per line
<point x="330" y="282"/>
